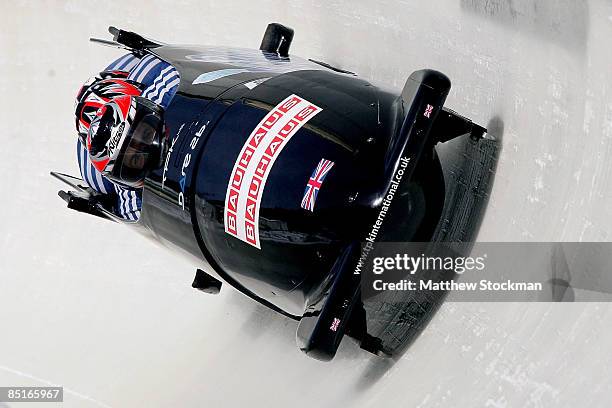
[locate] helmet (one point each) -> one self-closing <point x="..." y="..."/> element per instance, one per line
<point x="96" y="92"/>
<point x="126" y="139"/>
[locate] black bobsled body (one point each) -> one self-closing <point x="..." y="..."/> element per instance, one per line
<point x="247" y="131"/>
<point x="183" y="202"/>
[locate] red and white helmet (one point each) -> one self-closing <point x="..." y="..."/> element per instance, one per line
<point x="97" y="91"/>
<point x="126" y="139"/>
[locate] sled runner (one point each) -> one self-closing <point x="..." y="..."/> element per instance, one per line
<point x="85" y="199"/>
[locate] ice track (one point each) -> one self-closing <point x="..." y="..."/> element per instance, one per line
<point x="99" y="310"/>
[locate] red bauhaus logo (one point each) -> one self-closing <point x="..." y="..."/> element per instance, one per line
<point x="254" y="163"/>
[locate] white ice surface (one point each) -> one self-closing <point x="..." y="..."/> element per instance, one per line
<point x="130" y="332"/>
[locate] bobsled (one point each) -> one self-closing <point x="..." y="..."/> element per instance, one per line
<point x="276" y="169"/>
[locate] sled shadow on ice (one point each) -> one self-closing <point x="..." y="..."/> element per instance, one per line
<point x="563" y="22"/>
<point x="396" y="318"/>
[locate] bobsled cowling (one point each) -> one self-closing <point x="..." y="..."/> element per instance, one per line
<point x="359" y="129"/>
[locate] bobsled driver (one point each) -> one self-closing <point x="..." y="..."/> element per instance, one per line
<point x="121" y="132"/>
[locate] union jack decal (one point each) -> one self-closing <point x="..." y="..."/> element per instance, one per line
<point x="335" y="324"/>
<point x="314" y="184"/>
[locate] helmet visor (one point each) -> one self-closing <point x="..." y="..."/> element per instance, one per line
<point x="143" y="149"/>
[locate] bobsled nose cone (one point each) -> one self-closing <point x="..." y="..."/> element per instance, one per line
<point x="431" y="78"/>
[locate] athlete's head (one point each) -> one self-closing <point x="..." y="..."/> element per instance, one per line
<point x="126" y="139"/>
<point x="97" y="91"/>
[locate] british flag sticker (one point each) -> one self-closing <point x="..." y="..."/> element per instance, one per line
<point x="314" y="184"/>
<point x="335" y="324"/>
